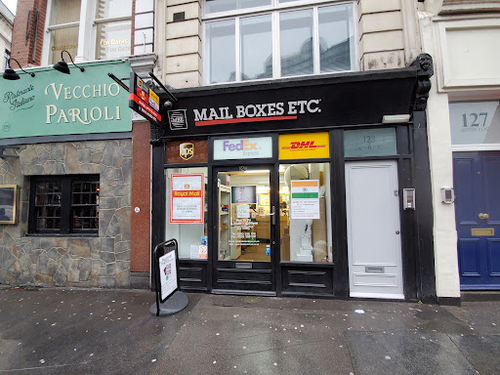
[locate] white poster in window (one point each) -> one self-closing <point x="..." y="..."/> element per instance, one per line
<point x="186" y="198"/>
<point x="243" y="211"/>
<point x="304" y="199"/>
<point x="168" y="274"/>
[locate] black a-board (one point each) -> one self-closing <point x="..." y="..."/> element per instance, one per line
<point x="169" y="298"/>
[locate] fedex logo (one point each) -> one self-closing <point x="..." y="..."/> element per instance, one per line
<point x="243" y="145"/>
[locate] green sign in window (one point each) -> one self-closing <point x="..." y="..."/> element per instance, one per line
<point x="370" y="142"/>
<point x="53" y="103"/>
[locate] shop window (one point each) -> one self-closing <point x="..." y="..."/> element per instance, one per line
<point x="268" y="39"/>
<point x="111" y="38"/>
<point x="370" y="142"/>
<point x="186" y="210"/>
<point x="65" y="204"/>
<point x="305" y="213"/>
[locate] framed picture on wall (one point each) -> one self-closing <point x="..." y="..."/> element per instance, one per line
<point x="8" y="204"/>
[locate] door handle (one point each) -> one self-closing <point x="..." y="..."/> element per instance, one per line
<point x="483" y="216"/>
<point x="273" y="214"/>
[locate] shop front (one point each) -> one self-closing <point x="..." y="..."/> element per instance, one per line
<point x="301" y="187"/>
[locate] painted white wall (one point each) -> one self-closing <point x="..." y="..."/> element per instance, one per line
<point x="463" y="51"/>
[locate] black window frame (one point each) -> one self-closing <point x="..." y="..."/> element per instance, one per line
<point x="66" y="205"/>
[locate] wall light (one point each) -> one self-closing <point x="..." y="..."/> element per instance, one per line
<point x="10" y="73"/>
<point x="62" y="66"/>
<point x="395" y="119"/>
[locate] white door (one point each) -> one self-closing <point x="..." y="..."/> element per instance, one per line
<point x="373" y="230"/>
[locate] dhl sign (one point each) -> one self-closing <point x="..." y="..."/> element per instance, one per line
<point x="304" y="146"/>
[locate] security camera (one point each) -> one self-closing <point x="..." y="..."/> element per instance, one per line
<point x="168" y="104"/>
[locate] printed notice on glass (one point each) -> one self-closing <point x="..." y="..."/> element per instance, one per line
<point x="168" y="275"/>
<point x="186" y="198"/>
<point x="304" y="196"/>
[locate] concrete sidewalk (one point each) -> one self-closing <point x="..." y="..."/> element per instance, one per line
<point x="90" y="331"/>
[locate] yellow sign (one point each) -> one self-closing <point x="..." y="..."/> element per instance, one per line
<point x="304" y="146"/>
<point x="482" y="232"/>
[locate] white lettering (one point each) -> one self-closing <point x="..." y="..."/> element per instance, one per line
<point x="200" y="116"/>
<point x="62" y="116"/>
<point x="57" y="93"/>
<point x="240" y="111"/>
<point x="51" y="111"/>
<point x="116" y="87"/>
<point x="92" y="113"/>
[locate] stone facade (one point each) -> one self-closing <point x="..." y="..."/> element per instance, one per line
<point x="100" y="261"/>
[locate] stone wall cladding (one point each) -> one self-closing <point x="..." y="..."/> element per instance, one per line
<point x="101" y="261"/>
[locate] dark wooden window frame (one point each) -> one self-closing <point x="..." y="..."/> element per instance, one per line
<point x="66" y="205"/>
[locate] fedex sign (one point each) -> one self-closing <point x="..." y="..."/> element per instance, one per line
<point x="243" y="148"/>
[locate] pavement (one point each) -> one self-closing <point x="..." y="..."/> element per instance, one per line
<point x="98" y="331"/>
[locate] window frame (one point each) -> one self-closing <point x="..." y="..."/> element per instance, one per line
<point x="66" y="206"/>
<point x="87" y="33"/>
<point x="275" y="9"/>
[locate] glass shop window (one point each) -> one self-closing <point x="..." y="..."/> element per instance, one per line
<point x="305" y="213"/>
<point x="186" y="210"/>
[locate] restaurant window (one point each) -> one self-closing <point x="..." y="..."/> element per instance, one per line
<point x="270" y="39"/>
<point x="111" y="21"/>
<point x="186" y="210"/>
<point x="65" y="204"/>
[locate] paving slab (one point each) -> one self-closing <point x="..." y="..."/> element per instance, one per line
<point x="100" y="331"/>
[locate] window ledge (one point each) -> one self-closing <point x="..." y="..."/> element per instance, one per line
<point x="72" y="235"/>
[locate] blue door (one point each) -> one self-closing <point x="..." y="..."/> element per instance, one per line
<point x="477" y="210"/>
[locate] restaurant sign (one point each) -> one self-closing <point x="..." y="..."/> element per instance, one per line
<point x="52" y="103"/>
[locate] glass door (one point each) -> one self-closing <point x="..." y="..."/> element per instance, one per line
<point x="245" y="228"/>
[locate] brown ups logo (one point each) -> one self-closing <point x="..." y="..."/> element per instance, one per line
<point x="186" y="151"/>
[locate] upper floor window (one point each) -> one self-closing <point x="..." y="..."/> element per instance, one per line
<point x="6" y="58"/>
<point x="257" y="39"/>
<point x="104" y="33"/>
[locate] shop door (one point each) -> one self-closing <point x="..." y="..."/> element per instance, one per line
<point x="373" y="230"/>
<point x="477" y="210"/>
<point x="246" y="218"/>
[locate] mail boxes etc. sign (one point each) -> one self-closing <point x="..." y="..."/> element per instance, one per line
<point x="52" y="103"/>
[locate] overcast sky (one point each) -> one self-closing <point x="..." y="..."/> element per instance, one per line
<point x="11" y="4"/>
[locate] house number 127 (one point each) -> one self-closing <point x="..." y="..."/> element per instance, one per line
<point x="474" y="119"/>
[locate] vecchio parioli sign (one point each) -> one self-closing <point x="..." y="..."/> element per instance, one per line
<point x="52" y="103"/>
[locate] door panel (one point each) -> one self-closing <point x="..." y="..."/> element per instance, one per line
<point x="373" y="227"/>
<point x="477" y="210"/>
<point x="245" y="226"/>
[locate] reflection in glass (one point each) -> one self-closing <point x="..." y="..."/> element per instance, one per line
<point x="256" y="48"/>
<point x="222" y="60"/>
<point x="305" y="213"/>
<point x="64" y="39"/>
<point x="244" y="216"/>
<point x="113" y="40"/>
<point x="215" y="6"/>
<point x="113" y="8"/>
<point x="296" y="43"/>
<point x="335" y="38"/>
